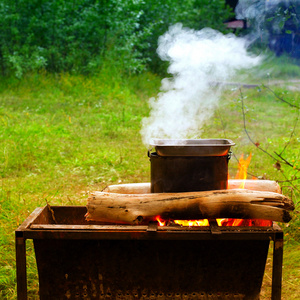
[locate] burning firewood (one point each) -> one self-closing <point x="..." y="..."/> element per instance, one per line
<point x="234" y="203"/>
<point x="144" y="188"/>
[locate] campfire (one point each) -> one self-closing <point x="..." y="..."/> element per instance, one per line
<point x="190" y="192"/>
<point x="241" y="177"/>
<point x="189" y="186"/>
<point x="137" y="241"/>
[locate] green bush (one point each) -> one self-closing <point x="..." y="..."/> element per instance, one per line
<point x="83" y="35"/>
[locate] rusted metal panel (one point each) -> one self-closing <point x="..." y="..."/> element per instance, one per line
<point x="71" y="224"/>
<point x="31" y="218"/>
<point x="81" y="260"/>
<point x="93" y="269"/>
<point x="21" y="268"/>
<point x="87" y="227"/>
<point x="277" y="269"/>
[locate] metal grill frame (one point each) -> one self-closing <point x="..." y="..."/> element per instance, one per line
<point x="37" y="227"/>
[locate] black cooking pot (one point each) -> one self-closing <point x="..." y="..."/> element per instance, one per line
<point x="189" y="165"/>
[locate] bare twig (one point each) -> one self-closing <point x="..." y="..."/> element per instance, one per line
<point x="224" y="132"/>
<point x="280" y="98"/>
<point x="283" y="160"/>
<point x="289" y="181"/>
<point x="246" y="131"/>
<point x="51" y="210"/>
<point x="296" y="122"/>
<point x="292" y="133"/>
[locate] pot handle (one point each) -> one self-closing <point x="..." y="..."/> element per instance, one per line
<point x="150" y="153"/>
<point x="229" y="156"/>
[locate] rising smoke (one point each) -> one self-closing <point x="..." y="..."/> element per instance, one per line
<point x="199" y="62"/>
<point x="267" y="17"/>
<point x="258" y="9"/>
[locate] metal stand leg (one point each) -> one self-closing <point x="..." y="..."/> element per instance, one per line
<point x="277" y="269"/>
<point x="21" y="267"/>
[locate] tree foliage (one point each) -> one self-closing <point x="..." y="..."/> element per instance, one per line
<point x="81" y="35"/>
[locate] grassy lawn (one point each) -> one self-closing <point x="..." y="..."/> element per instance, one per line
<point x="62" y="136"/>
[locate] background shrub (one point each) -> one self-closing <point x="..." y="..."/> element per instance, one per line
<point x="83" y="35"/>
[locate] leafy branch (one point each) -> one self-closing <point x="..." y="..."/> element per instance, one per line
<point x="279" y="159"/>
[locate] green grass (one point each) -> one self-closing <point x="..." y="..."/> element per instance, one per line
<point x="62" y="136"/>
<point x="272" y="68"/>
<point x="282" y="67"/>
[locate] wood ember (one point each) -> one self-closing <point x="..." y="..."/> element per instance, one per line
<point x="233" y="203"/>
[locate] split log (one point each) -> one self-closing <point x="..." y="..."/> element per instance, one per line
<point x="255" y="185"/>
<point x="249" y="184"/>
<point x="129" y="188"/>
<point x="142" y="208"/>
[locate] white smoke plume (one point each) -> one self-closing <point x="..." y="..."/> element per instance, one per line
<point x="249" y="9"/>
<point x="257" y="9"/>
<point x="266" y="15"/>
<point x="198" y="60"/>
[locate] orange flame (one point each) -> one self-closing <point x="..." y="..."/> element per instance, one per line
<point x="242" y="169"/>
<point x="190" y="223"/>
<point x="241" y="174"/>
<point x="160" y="221"/>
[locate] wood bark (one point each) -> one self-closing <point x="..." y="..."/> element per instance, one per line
<point x="144" y="188"/>
<point x="142" y="208"/>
